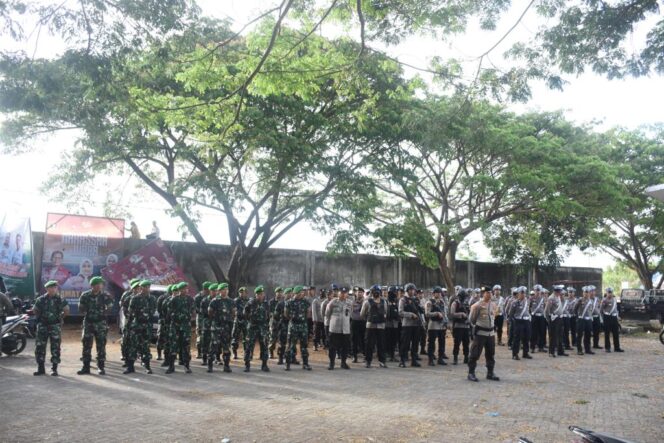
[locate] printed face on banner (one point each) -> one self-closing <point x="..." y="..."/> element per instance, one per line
<point x="16" y="255"/>
<point x="76" y="248"/>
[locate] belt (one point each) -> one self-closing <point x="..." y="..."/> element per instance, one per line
<point x="596" y="316"/>
<point x="538" y="315"/>
<point x="565" y="315"/>
<point x="587" y="318"/>
<point x="610" y="315"/>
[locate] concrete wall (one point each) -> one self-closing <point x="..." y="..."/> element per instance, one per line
<point x="287" y="267"/>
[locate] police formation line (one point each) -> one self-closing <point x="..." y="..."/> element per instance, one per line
<point x="389" y="322"/>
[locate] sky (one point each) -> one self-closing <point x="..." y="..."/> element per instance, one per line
<point x="628" y="103"/>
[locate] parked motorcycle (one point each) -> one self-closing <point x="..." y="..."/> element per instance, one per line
<point x="25" y="307"/>
<point x="13" y="337"/>
<point x="587" y="436"/>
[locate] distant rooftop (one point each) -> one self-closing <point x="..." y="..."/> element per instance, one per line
<point x="656" y="191"/>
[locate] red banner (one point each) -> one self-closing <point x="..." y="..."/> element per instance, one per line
<point x="153" y="262"/>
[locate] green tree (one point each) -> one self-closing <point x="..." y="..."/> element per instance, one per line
<point x="614" y="276"/>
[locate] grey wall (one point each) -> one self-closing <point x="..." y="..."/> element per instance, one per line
<point x="287" y="267"/>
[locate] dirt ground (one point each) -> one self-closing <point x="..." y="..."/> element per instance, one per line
<point x="622" y="394"/>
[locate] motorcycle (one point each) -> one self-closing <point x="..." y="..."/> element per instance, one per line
<point x="587" y="436"/>
<point x="13" y="341"/>
<point x="25" y="307"/>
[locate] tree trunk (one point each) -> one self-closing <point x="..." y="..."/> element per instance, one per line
<point x="207" y="252"/>
<point x="447" y="266"/>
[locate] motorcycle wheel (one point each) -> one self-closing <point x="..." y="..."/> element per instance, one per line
<point x="21" y="341"/>
<point x="661" y="336"/>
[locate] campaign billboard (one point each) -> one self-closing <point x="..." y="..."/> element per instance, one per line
<point x="16" y="263"/>
<point x="153" y="262"/>
<point x="76" y="248"/>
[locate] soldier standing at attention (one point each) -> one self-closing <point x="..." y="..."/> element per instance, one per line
<point x="280" y="325"/>
<point x="317" y="319"/>
<point x="374" y="310"/>
<point x="567" y="314"/>
<point x="571" y="306"/>
<point x="278" y="295"/>
<point x="584" y="322"/>
<point x="162" y="332"/>
<point x="219" y="324"/>
<point x="508" y="305"/>
<point x="257" y="314"/>
<point x="537" y="302"/>
<point x="357" y="323"/>
<point x="205" y="291"/>
<point x="338" y="312"/>
<point x="206" y="331"/>
<point x="392" y="323"/>
<point x="94" y="304"/>
<point x="553" y="312"/>
<point x="410" y="323"/>
<point x="332" y="293"/>
<point x="435" y="314"/>
<point x="124" y="306"/>
<point x="482" y="315"/>
<point x="240" y="324"/>
<point x="459" y="311"/>
<point x="141" y="310"/>
<point x="597" y="319"/>
<point x="520" y="318"/>
<point x="296" y="313"/>
<point x="611" y="317"/>
<point x="49" y="310"/>
<point x="499" y="300"/>
<point x="179" y="310"/>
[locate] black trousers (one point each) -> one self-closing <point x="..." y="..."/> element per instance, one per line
<point x="499" y="327"/>
<point x="461" y="337"/>
<point x="584" y="329"/>
<point x="572" y="329"/>
<point x="433" y="336"/>
<point x="423" y="338"/>
<point x="556" y="336"/>
<point x="408" y="342"/>
<point x="510" y="333"/>
<point x="486" y="343"/>
<point x="357" y="328"/>
<point x="611" y="327"/>
<point x="374" y="339"/>
<point x="318" y="333"/>
<point x="391" y="340"/>
<point x="339" y="344"/>
<point x="538" y="336"/>
<point x="566" y="328"/>
<point x="597" y="327"/>
<point x="521" y="332"/>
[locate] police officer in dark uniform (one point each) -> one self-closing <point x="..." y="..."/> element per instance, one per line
<point x="392" y="322"/>
<point x="374" y="310"/>
<point x="410" y="324"/>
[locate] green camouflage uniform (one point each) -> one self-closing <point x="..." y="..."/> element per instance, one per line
<point x="178" y="311"/>
<point x="206" y="331"/>
<point x="162" y="329"/>
<point x="240" y="324"/>
<point x="199" y="321"/>
<point x="257" y="315"/>
<point x="48" y="312"/>
<point x="220" y="322"/>
<point x="95" y="327"/>
<point x="273" y="333"/>
<point x="141" y="310"/>
<point x="279" y="328"/>
<point x="298" y="331"/>
<point x="124" y="305"/>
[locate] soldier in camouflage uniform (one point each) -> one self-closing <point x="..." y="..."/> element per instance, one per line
<point x="141" y="310"/>
<point x="278" y="296"/>
<point x="280" y="325"/>
<point x="296" y="312"/>
<point x="240" y="324"/>
<point x="49" y="310"/>
<point x="94" y="304"/>
<point x="206" y="332"/>
<point x="220" y="315"/>
<point x="124" y="306"/>
<point x="162" y="330"/>
<point x="199" y="317"/>
<point x="257" y="313"/>
<point x="179" y="310"/>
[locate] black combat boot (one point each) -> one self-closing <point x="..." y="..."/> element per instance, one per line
<point x="54" y="370"/>
<point x="187" y="369"/>
<point x="165" y="363"/>
<point x="294" y="360"/>
<point x="455" y="360"/>
<point x="205" y="360"/>
<point x="247" y="366"/>
<point x="148" y="369"/>
<point x="171" y="365"/>
<point x="180" y="362"/>
<point x="85" y="369"/>
<point x="441" y="362"/>
<point x="281" y="358"/>
<point x="264" y="367"/>
<point x="198" y="351"/>
<point x="271" y="354"/>
<point x="100" y="368"/>
<point x="471" y="376"/>
<point x="130" y="367"/>
<point x="305" y="363"/>
<point x="40" y="369"/>
<point x="210" y="364"/>
<point x="465" y="359"/>
<point x="491" y="376"/>
<point x="234" y="354"/>
<point x="158" y="354"/>
<point x="288" y="362"/>
<point x="227" y="361"/>
<point x="415" y="364"/>
<point x="402" y="364"/>
<point x="431" y="363"/>
<point x="125" y="364"/>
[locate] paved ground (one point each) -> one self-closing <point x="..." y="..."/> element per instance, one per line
<point x="621" y="394"/>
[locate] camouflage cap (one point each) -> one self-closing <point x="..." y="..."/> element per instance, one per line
<point x="206" y="285"/>
<point x="145" y="283"/>
<point x="242" y="289"/>
<point x="221" y="286"/>
<point x="50" y="283"/>
<point x="297" y="289"/>
<point x="278" y="289"/>
<point x="259" y="289"/>
<point x="96" y="280"/>
<point x="288" y="290"/>
<point x="213" y="286"/>
<point x="182" y="285"/>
